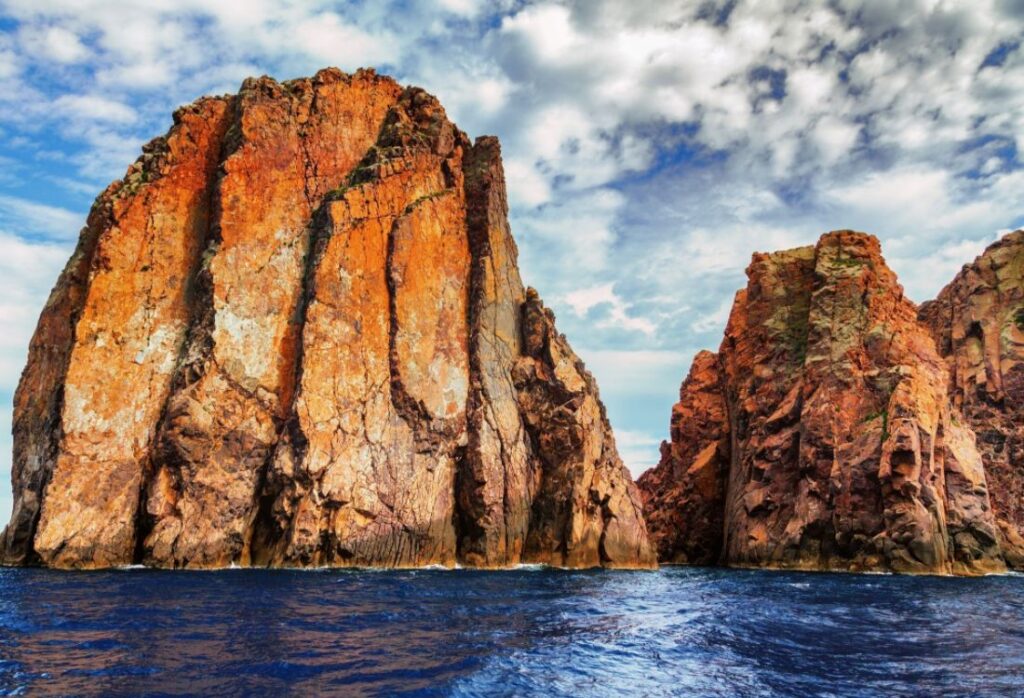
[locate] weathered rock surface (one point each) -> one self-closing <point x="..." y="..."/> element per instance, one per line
<point x="684" y="497"/>
<point x="978" y="325"/>
<point x="822" y="435"/>
<point x="295" y="334"/>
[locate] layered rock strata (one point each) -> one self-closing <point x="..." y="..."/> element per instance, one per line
<point x="978" y="325"/>
<point x="822" y="434"/>
<point x="295" y="334"/>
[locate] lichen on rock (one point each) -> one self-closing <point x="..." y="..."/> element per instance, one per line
<point x="822" y="435"/>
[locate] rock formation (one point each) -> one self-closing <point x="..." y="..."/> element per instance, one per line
<point x="684" y="496"/>
<point x="295" y="334"/>
<point x="978" y="325"/>
<point x="822" y="435"/>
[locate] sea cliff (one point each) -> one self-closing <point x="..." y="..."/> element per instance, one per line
<point x="829" y="431"/>
<point x="295" y="334"/>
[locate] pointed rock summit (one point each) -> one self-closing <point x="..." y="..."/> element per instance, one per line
<point x="295" y="334"/>
<point x="825" y="433"/>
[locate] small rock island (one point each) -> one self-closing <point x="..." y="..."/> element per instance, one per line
<point x="841" y="427"/>
<point x="295" y="335"/>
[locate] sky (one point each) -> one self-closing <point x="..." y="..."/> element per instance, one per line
<point x="650" y="147"/>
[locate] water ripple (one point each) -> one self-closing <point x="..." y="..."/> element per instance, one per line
<point x="528" y="631"/>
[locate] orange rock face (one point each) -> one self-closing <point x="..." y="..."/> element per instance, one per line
<point x="978" y="325"/>
<point x="288" y="146"/>
<point x="103" y="357"/>
<point x="295" y="334"/>
<point x="822" y="436"/>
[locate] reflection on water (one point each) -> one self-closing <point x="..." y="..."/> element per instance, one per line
<point x="677" y="631"/>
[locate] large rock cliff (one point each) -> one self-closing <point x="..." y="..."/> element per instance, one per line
<point x="822" y="435"/>
<point x="978" y="325"/>
<point x="295" y="334"/>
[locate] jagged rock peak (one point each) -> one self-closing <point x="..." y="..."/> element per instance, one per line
<point x="822" y="435"/>
<point x="295" y="334"/>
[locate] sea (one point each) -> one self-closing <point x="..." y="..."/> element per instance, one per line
<point x="525" y="632"/>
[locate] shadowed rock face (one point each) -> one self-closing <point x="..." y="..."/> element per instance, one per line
<point x="978" y="325"/>
<point x="821" y="436"/>
<point x="295" y="334"/>
<point x="684" y="497"/>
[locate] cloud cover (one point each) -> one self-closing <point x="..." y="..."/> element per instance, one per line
<point x="650" y="147"/>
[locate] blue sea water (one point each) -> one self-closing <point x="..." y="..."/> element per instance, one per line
<point x="679" y="631"/>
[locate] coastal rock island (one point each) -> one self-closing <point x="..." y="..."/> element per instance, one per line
<point x="829" y="432"/>
<point x="978" y="325"/>
<point x="295" y="334"/>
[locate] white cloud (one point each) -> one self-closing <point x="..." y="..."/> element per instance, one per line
<point x="639" y="450"/>
<point x="582" y="300"/>
<point x="141" y="75"/>
<point x="94" y="108"/>
<point x="711" y="251"/>
<point x="641" y="372"/>
<point x="575" y="234"/>
<point x="927" y="216"/>
<point x="75" y="186"/>
<point x="618" y="316"/>
<point x="9" y="64"/>
<point x="835" y="138"/>
<point x="327" y="38"/>
<point x="713" y="321"/>
<point x="544" y="31"/>
<point x="488" y="94"/>
<point x="54" y="43"/>
<point x="35" y="220"/>
<point x="639" y="389"/>
<point x="28" y="271"/>
<point x="527" y="187"/>
<point x="465" y="8"/>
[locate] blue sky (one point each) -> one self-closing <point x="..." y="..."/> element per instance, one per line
<point x="650" y="146"/>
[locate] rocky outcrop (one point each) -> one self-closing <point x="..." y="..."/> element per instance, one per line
<point x="822" y="435"/>
<point x="295" y="334"/>
<point x="978" y="325"/>
<point x="587" y="510"/>
<point x="684" y="497"/>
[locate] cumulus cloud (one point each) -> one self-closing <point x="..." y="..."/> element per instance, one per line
<point x="328" y="38"/>
<point x="572" y="236"/>
<point x="610" y="309"/>
<point x="54" y="43"/>
<point x="9" y="63"/>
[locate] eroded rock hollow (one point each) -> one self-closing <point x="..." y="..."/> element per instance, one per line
<point x="827" y="432"/>
<point x="295" y="334"/>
